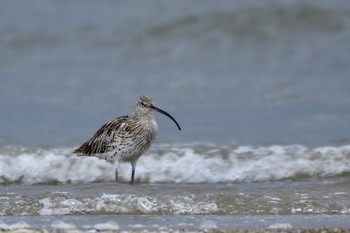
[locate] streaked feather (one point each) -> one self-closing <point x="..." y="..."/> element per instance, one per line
<point x="100" y="142"/>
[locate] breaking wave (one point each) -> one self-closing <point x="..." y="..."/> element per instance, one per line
<point x="177" y="163"/>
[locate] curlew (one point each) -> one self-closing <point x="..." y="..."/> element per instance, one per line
<point x="126" y="138"/>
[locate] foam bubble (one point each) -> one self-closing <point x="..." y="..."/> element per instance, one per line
<point x="280" y="226"/>
<point x="107" y="226"/>
<point x="58" y="224"/>
<point x="208" y="225"/>
<point x="17" y="225"/>
<point x="146" y="205"/>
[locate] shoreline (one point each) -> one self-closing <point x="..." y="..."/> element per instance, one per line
<point x="176" y="223"/>
<point x="312" y="230"/>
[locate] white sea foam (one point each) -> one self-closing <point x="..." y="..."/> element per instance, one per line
<point x="129" y="204"/>
<point x="17" y="225"/>
<point x="107" y="226"/>
<point x="56" y="165"/>
<point x="280" y="226"/>
<point x="208" y="224"/>
<point x="187" y="163"/>
<point x="62" y="225"/>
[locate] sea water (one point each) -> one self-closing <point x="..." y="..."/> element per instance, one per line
<point x="234" y="71"/>
<point x="178" y="179"/>
<point x="260" y="89"/>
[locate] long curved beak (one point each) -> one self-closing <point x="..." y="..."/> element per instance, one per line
<point x="166" y="114"/>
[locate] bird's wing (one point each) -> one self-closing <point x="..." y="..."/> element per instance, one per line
<point x="129" y="129"/>
<point x="101" y="140"/>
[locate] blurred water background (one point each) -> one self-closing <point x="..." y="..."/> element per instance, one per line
<point x="250" y="72"/>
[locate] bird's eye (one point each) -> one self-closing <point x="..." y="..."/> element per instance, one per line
<point x="144" y="105"/>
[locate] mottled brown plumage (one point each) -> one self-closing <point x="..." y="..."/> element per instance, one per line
<point x="125" y="138"/>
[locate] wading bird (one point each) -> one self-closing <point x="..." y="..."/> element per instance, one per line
<point x="126" y="138"/>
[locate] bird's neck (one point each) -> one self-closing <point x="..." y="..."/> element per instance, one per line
<point x="148" y="116"/>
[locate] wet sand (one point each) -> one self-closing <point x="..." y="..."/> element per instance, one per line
<point x="314" y="230"/>
<point x="189" y="223"/>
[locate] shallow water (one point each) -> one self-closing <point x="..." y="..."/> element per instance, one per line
<point x="283" y="198"/>
<point x="178" y="179"/>
<point x="179" y="223"/>
<point x="114" y="206"/>
<point x="329" y="196"/>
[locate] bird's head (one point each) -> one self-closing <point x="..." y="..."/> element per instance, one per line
<point x="144" y="105"/>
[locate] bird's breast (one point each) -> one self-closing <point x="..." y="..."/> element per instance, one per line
<point x="148" y="131"/>
<point x="134" y="139"/>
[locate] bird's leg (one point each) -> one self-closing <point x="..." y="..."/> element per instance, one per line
<point x="132" y="176"/>
<point x="116" y="169"/>
<point x="133" y="165"/>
